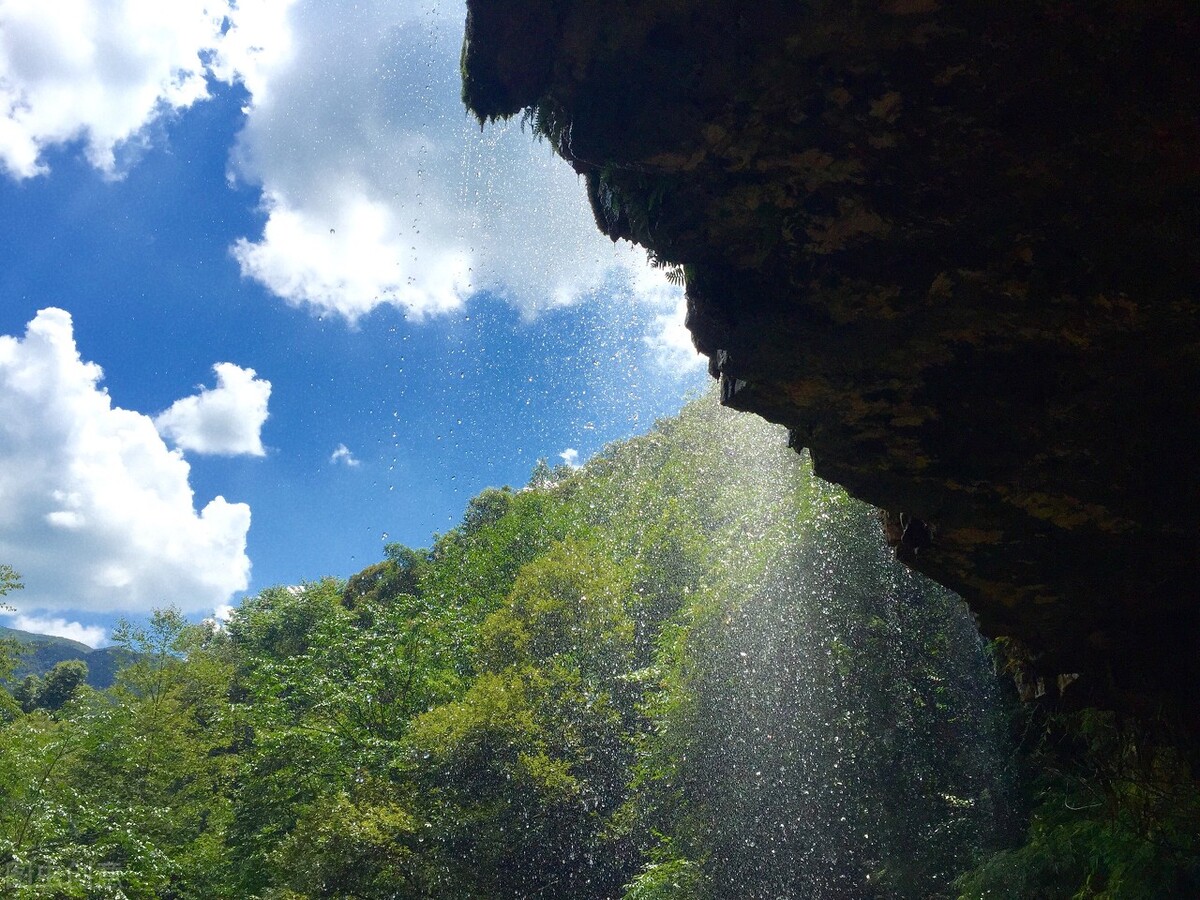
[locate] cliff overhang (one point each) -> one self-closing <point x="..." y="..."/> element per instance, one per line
<point x="954" y="247"/>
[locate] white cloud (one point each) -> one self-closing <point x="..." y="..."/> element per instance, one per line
<point x="92" y="635"/>
<point x="341" y="454"/>
<point x="380" y="189"/>
<point x="257" y="40"/>
<point x="349" y="258"/>
<point x="226" y="420"/>
<point x="667" y="339"/>
<point x="377" y="187"/>
<point x="570" y="457"/>
<point x="98" y="72"/>
<point x="671" y="344"/>
<point x="95" y="510"/>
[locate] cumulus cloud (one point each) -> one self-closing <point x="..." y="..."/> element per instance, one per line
<point x="221" y="615"/>
<point x="410" y="204"/>
<point x="570" y="457"/>
<point x="101" y="72"/>
<point x="97" y="72"/>
<point x="92" y="635"/>
<point x="226" y="420"/>
<point x="96" y="512"/>
<point x="341" y="454"/>
<point x="670" y="342"/>
<point x="377" y="187"/>
<point x="667" y="339"/>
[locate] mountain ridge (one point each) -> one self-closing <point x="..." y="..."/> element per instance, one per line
<point x="42" y="652"/>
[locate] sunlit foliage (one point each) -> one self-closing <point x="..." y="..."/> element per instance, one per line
<point x="687" y="670"/>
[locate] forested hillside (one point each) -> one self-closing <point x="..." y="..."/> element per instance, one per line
<point x="37" y="654"/>
<point x="663" y="675"/>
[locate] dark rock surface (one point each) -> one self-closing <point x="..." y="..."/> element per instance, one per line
<point x="955" y="247"/>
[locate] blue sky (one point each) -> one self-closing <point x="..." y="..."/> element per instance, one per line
<point x="403" y="310"/>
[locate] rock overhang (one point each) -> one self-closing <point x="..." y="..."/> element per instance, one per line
<point x="955" y="248"/>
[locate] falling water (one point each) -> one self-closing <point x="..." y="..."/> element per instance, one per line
<point x="839" y="723"/>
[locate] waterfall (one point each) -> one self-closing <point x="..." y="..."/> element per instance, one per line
<point x="833" y="718"/>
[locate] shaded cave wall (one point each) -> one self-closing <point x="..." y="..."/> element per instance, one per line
<point x="955" y="248"/>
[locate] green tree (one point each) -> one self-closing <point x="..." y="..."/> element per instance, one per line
<point x="60" y="685"/>
<point x="327" y="711"/>
<point x="824" y="723"/>
<point x="688" y="669"/>
<point x="472" y="568"/>
<point x="37" y="806"/>
<point x="9" y="580"/>
<point x="399" y="574"/>
<point x="27" y="692"/>
<point x="522" y="774"/>
<point x="10" y="650"/>
<point x="124" y="795"/>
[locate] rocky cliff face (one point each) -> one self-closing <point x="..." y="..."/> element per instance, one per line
<point x="955" y="247"/>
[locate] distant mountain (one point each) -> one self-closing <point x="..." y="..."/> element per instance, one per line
<point x="41" y="652"/>
<point x="28" y="637"/>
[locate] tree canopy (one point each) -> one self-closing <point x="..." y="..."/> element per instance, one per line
<point x="661" y="675"/>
